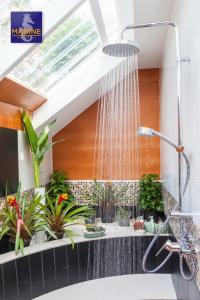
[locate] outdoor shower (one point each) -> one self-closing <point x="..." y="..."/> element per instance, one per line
<point x="126" y="48"/>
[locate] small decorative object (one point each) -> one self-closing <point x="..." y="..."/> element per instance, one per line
<point x="59" y="217"/>
<point x="98" y="221"/>
<point x="94" y="231"/>
<point x="150" y="195"/>
<point x="22" y="219"/>
<point x="139" y="224"/>
<point x="123" y="217"/>
<point x="150" y="226"/>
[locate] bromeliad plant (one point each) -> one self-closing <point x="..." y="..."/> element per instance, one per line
<point x="22" y="219"/>
<point x="59" y="217"/>
<point x="39" y="144"/>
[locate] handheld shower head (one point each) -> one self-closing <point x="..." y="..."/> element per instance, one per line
<point x="145" y="131"/>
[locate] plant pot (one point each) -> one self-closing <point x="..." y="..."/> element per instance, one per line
<point x="60" y="235"/>
<point x="40" y="237"/>
<point x="95" y="234"/>
<point x="124" y="222"/>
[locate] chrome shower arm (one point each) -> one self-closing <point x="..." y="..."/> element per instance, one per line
<point x="146" y="25"/>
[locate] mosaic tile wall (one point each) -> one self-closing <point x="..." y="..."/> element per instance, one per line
<point x="185" y="228"/>
<point x="125" y="191"/>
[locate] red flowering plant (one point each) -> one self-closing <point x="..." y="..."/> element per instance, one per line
<point x="22" y="218"/>
<point x="61" y="214"/>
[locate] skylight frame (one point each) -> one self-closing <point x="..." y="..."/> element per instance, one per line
<point x="90" y="33"/>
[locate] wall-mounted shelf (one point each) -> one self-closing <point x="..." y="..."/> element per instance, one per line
<point x="16" y="94"/>
<point x="14" y="97"/>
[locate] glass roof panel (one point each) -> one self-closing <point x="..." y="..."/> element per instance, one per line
<point x="110" y="18"/>
<point x="68" y="45"/>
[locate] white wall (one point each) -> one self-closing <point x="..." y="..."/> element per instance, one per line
<point x="187" y="15"/>
<point x="25" y="164"/>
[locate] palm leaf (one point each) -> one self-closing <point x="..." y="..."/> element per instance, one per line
<point x="30" y="132"/>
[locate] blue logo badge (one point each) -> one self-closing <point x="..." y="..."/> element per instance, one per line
<point x="26" y="27"/>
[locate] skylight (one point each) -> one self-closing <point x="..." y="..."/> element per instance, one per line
<point x="71" y="43"/>
<point x="110" y="18"/>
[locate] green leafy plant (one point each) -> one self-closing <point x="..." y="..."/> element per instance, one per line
<point x="59" y="219"/>
<point x="94" y="228"/>
<point x="58" y="185"/>
<point x="150" y="194"/>
<point x="22" y="218"/>
<point x="123" y="213"/>
<point x="107" y="194"/>
<point x="38" y="144"/>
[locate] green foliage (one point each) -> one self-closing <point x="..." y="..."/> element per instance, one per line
<point x="107" y="193"/>
<point x="123" y="213"/>
<point x="150" y="194"/>
<point x="38" y="144"/>
<point x="30" y="212"/>
<point x="94" y="228"/>
<point x="58" y="219"/>
<point x="58" y="186"/>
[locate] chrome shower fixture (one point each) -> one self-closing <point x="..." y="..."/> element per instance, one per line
<point x="126" y="48"/>
<point x="121" y="48"/>
<point x="145" y="131"/>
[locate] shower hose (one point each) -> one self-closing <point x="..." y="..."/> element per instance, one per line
<point x="187" y="277"/>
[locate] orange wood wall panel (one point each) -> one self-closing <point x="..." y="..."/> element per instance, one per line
<point x="75" y="155"/>
<point x="16" y="94"/>
<point x="10" y="116"/>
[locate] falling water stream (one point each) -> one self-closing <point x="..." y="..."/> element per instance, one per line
<point x="117" y="149"/>
<point x="117" y="143"/>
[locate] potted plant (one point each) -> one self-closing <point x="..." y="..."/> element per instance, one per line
<point x="150" y="196"/>
<point x="94" y="231"/>
<point x="107" y="197"/>
<point x="59" y="218"/>
<point x="21" y="219"/>
<point x="123" y="217"/>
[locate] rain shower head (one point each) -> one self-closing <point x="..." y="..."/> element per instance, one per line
<point x="121" y="48"/>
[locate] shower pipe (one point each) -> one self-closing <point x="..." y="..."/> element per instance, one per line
<point x="180" y="147"/>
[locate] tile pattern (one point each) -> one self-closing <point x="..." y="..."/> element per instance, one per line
<point x="185" y="228"/>
<point x="83" y="190"/>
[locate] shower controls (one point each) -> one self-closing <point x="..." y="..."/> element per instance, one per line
<point x="184" y="247"/>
